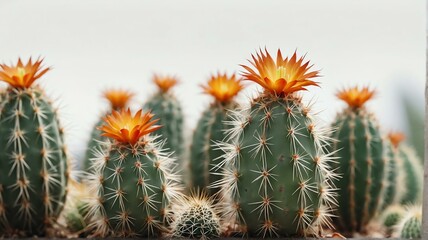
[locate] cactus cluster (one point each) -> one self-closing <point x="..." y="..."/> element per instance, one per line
<point x="133" y="177"/>
<point x="33" y="160"/>
<point x="277" y="180"/>
<point x="210" y="129"/>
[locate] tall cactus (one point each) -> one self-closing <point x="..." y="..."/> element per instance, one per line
<point x="33" y="163"/>
<point x="167" y="107"/>
<point x="277" y="179"/>
<point x="361" y="163"/>
<point x="210" y="129"/>
<point x="134" y="179"/>
<point x="118" y="99"/>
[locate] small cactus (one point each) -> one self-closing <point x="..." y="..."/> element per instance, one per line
<point x="410" y="226"/>
<point x="276" y="179"/>
<point x="118" y="100"/>
<point x="361" y="163"/>
<point x="167" y="108"/>
<point x="391" y="216"/>
<point x="211" y="129"/>
<point x="76" y="209"/>
<point x="133" y="178"/>
<point x="196" y="217"/>
<point x="33" y="161"/>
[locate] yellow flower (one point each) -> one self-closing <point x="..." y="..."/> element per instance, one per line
<point x="356" y="97"/>
<point x="125" y="128"/>
<point x="164" y="82"/>
<point x="280" y="77"/>
<point x="118" y="98"/>
<point x="222" y="87"/>
<point x="20" y="76"/>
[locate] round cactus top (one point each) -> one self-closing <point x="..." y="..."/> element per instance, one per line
<point x="356" y="97"/>
<point x="118" y="98"/>
<point x="281" y="77"/>
<point x="125" y="128"/>
<point x="20" y="75"/>
<point x="396" y="138"/>
<point x="164" y="83"/>
<point x="223" y="87"/>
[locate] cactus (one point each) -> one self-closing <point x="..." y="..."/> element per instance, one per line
<point x="391" y="216"/>
<point x="360" y="149"/>
<point x="166" y="106"/>
<point x="411" y="225"/>
<point x="277" y="179"/>
<point x="133" y="178"/>
<point x="210" y="129"/>
<point x="196" y="217"/>
<point x="76" y="209"/>
<point x="404" y="173"/>
<point x="118" y="99"/>
<point x="33" y="162"/>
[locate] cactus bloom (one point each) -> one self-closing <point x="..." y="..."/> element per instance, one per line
<point x="20" y="75"/>
<point x="164" y="82"/>
<point x="125" y="128"/>
<point x="396" y="138"/>
<point x="222" y="87"/>
<point x="356" y="97"/>
<point x="285" y="76"/>
<point x="118" y="98"/>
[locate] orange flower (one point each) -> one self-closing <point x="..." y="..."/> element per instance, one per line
<point x="118" y="98"/>
<point x="164" y="82"/>
<point x="396" y="138"/>
<point x="282" y="77"/>
<point x="21" y="76"/>
<point x="356" y="97"/>
<point x="126" y="128"/>
<point x="222" y="87"/>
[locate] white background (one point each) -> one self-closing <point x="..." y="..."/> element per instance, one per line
<point x="96" y="44"/>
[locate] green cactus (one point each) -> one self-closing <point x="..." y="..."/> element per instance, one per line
<point x="404" y="173"/>
<point x="76" y="209"/>
<point x="411" y="225"/>
<point x="210" y="129"/>
<point x="166" y="106"/>
<point x="118" y="99"/>
<point x="33" y="162"/>
<point x="134" y="179"/>
<point x="196" y="217"/>
<point x="391" y="216"/>
<point x="361" y="163"/>
<point x="277" y="179"/>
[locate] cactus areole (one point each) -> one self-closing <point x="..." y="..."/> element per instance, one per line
<point x="359" y="147"/>
<point x="33" y="163"/>
<point x="210" y="129"/>
<point x="133" y="178"/>
<point x="276" y="174"/>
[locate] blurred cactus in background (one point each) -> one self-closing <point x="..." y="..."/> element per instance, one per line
<point x="416" y="123"/>
<point x="276" y="178"/>
<point x="133" y="177"/>
<point x="34" y="168"/>
<point x="359" y="147"/>
<point x="167" y="108"/>
<point x="118" y="100"/>
<point x="210" y="129"/>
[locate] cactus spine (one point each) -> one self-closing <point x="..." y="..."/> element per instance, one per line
<point x="166" y="106"/>
<point x="361" y="162"/>
<point x="210" y="130"/>
<point x="33" y="163"/>
<point x="411" y="225"/>
<point x="196" y="217"/>
<point x="118" y="99"/>
<point x="277" y="179"/>
<point x="133" y="177"/>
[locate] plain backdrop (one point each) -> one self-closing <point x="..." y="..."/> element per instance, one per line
<point x="93" y="45"/>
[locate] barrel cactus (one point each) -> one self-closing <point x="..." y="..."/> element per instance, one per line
<point x="33" y="163"/>
<point x="134" y="179"/>
<point x="118" y="99"/>
<point x="277" y="179"/>
<point x="197" y="216"/>
<point x="410" y="227"/>
<point x="168" y="109"/>
<point x="361" y="162"/>
<point x="210" y="129"/>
